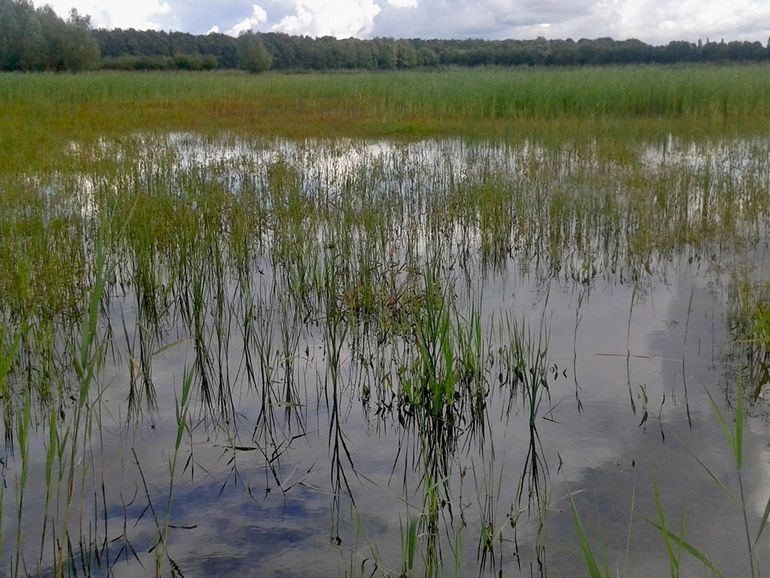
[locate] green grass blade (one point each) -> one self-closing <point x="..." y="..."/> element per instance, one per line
<point x="728" y="435"/>
<point x="630" y="526"/>
<point x="672" y="558"/>
<point x="763" y="523"/>
<point x="411" y="544"/>
<point x="689" y="548"/>
<point x="714" y="477"/>
<point x="585" y="546"/>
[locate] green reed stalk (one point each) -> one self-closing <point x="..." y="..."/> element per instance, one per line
<point x="734" y="438"/>
<point x="182" y="405"/>
<point x="51" y="452"/>
<point x="594" y="570"/>
<point x="409" y="545"/>
<point x="23" y="423"/>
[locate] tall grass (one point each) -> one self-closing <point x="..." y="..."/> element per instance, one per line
<point x="48" y="109"/>
<point x="693" y="92"/>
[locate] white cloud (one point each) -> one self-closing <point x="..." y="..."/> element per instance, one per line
<point x="213" y="30"/>
<point x="403" y="3"/>
<point x="654" y="21"/>
<point x="258" y="16"/>
<point x="139" y="14"/>
<point x="690" y="19"/>
<point x="340" y="18"/>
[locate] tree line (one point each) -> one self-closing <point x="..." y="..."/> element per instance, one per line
<point x="33" y="39"/>
<point x="37" y="39"/>
<point x="155" y="49"/>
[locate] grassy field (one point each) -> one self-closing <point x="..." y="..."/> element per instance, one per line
<point x="39" y="109"/>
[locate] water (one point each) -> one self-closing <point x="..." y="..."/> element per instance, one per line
<point x="298" y="465"/>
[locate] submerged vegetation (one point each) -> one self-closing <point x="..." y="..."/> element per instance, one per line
<point x="333" y="298"/>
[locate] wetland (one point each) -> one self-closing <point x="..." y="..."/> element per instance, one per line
<point x="493" y="322"/>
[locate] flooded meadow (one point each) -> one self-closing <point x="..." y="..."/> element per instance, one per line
<point x="234" y="355"/>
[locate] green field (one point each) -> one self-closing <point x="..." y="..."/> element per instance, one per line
<point x="464" y="103"/>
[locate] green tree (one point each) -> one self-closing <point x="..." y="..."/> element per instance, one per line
<point x="79" y="50"/>
<point x="10" y="36"/>
<point x="406" y="54"/>
<point x="252" y="54"/>
<point x="34" y="48"/>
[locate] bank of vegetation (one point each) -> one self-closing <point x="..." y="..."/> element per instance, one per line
<point x="480" y="103"/>
<point x="154" y="49"/>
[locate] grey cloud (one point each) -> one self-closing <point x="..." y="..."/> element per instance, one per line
<point x="484" y="19"/>
<point x="655" y="21"/>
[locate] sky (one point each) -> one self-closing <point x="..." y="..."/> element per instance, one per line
<point x="652" y="21"/>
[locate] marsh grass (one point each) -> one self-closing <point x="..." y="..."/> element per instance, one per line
<point x="368" y="252"/>
<point x="750" y="323"/>
<point x="49" y="109"/>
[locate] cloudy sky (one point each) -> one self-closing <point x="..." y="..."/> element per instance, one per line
<point x="653" y="21"/>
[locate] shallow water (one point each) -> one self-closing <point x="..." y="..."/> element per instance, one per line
<point x="307" y="467"/>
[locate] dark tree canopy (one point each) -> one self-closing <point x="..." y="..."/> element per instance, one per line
<point x="37" y="39"/>
<point x="143" y="49"/>
<point x="252" y="54"/>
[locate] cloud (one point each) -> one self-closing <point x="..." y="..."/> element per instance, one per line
<point x="654" y="21"/>
<point x="340" y="18"/>
<point x="688" y="19"/>
<point x="479" y="19"/>
<point x="139" y="14"/>
<point x="258" y="16"/>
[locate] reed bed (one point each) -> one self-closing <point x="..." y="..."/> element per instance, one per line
<point x="614" y="102"/>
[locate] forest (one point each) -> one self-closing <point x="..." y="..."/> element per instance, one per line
<point x="35" y="39"/>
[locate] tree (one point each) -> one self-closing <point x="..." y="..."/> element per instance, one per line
<point x="34" y="48"/>
<point x="10" y="36"/>
<point x="406" y="55"/>
<point x="252" y="54"/>
<point x="79" y="50"/>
